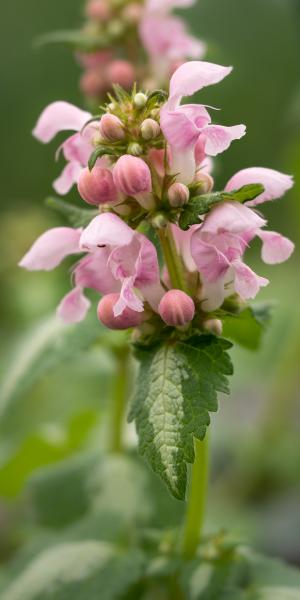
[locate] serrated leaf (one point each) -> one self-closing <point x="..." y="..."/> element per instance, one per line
<point x="247" y="327"/>
<point x="77" y="571"/>
<point x="45" y="345"/>
<point x="99" y="152"/>
<point x="176" y="389"/>
<point x="200" y="205"/>
<point x="76" y="39"/>
<point x="78" y="217"/>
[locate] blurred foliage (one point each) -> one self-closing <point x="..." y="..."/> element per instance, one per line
<point x="57" y="491"/>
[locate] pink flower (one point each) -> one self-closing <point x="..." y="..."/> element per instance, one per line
<point x="121" y="72"/>
<point x="218" y="246"/>
<point x="183" y="126"/>
<point x="62" y="116"/>
<point x="118" y="260"/>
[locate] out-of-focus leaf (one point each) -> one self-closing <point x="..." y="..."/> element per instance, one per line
<point x="63" y="493"/>
<point x="278" y="593"/>
<point x="76" y="39"/>
<point x="78" y="571"/>
<point x="48" y="445"/>
<point x="78" y="217"/>
<point x="43" y="348"/>
<point x="247" y="328"/>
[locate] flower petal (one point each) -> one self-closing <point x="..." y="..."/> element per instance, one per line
<point x="210" y="261"/>
<point x="147" y="267"/>
<point x="195" y="75"/>
<point x="128" y="298"/>
<point x="59" y="116"/>
<point x="276" y="248"/>
<point x="276" y="184"/>
<point x="69" y="177"/>
<point x="73" y="307"/>
<point x="247" y="283"/>
<point x="51" y="248"/>
<point x="106" y="229"/>
<point x="219" y="138"/>
<point x="93" y="272"/>
<point x="212" y="295"/>
<point x="232" y="217"/>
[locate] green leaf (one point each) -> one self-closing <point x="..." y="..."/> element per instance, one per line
<point x="78" y="217"/>
<point x="247" y="328"/>
<point x="176" y="388"/>
<point x="278" y="593"/>
<point x="99" y="152"/>
<point x="77" y="571"/>
<point x="45" y="346"/>
<point x="76" y="39"/>
<point x="200" y="205"/>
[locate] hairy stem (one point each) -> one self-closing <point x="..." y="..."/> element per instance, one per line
<point x="172" y="259"/>
<point x="119" y="400"/>
<point x="196" y="500"/>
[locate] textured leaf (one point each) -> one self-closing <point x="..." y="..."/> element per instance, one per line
<point x="247" y="328"/>
<point x="176" y="388"/>
<point x="48" y="344"/>
<point x="78" y="217"/>
<point x="200" y="205"/>
<point x="77" y="571"/>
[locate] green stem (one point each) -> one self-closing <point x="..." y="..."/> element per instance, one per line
<point x="172" y="259"/>
<point x="196" y="501"/>
<point x="119" y="400"/>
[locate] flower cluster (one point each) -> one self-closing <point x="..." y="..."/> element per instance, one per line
<point x="143" y="164"/>
<point x="126" y="24"/>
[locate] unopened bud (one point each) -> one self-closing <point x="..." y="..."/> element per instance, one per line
<point x="128" y="318"/>
<point x="150" y="129"/>
<point x="214" y="326"/>
<point x="132" y="176"/>
<point x="178" y="194"/>
<point x="176" y="308"/>
<point x="111" y="128"/>
<point x="140" y="100"/>
<point x="133" y="13"/>
<point x="204" y="181"/>
<point x="92" y="83"/>
<point x="98" y="10"/>
<point x="121" y="72"/>
<point x="97" y="186"/>
<point x="159" y="221"/>
<point x="135" y="149"/>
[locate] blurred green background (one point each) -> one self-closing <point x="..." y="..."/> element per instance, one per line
<point x="256" y="467"/>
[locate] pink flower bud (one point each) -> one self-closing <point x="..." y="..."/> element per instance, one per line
<point x="90" y="60"/>
<point x="178" y="194"/>
<point x="133" y="12"/>
<point x="97" y="186"/>
<point x="176" y="308"/>
<point x="111" y="128"/>
<point x="150" y="129"/>
<point x="92" y="83"/>
<point x="98" y="10"/>
<point x="132" y="176"/>
<point x="204" y="181"/>
<point x="129" y="318"/>
<point x="213" y="326"/>
<point x="157" y="159"/>
<point x="121" y="72"/>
